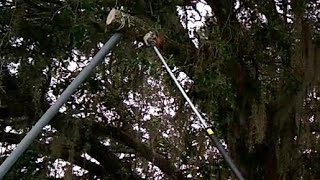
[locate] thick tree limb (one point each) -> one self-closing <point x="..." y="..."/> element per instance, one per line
<point x="105" y="156"/>
<point x="10" y="138"/>
<point x="128" y="139"/>
<point x="93" y="168"/>
<point x="110" y="165"/>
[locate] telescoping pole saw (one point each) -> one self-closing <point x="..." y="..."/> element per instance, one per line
<point x="53" y="110"/>
<point x="149" y="39"/>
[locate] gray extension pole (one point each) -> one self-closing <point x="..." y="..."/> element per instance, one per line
<point x="223" y="152"/>
<point x="53" y="110"/>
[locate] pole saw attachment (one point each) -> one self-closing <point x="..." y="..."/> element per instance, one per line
<point x="149" y="40"/>
<point x="131" y="26"/>
<point x="119" y="18"/>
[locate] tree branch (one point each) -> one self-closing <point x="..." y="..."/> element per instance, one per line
<point x="127" y="138"/>
<point x="10" y="138"/>
<point x="105" y="156"/>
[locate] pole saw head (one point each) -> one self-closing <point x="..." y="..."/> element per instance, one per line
<point x="132" y="26"/>
<point x="118" y="18"/>
<point x="150" y="39"/>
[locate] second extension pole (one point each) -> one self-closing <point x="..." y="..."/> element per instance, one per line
<point x="209" y="131"/>
<point x="53" y="110"/>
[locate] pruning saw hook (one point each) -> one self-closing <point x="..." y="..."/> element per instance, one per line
<point x="150" y="39"/>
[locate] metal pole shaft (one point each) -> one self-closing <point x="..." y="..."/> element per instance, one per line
<point x="226" y="157"/>
<point x="204" y="124"/>
<point x="53" y="110"/>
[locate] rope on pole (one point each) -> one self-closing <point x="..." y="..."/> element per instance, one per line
<point x="149" y="40"/>
<point x="53" y="110"/>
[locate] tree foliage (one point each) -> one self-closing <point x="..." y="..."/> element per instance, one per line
<point x="254" y="76"/>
